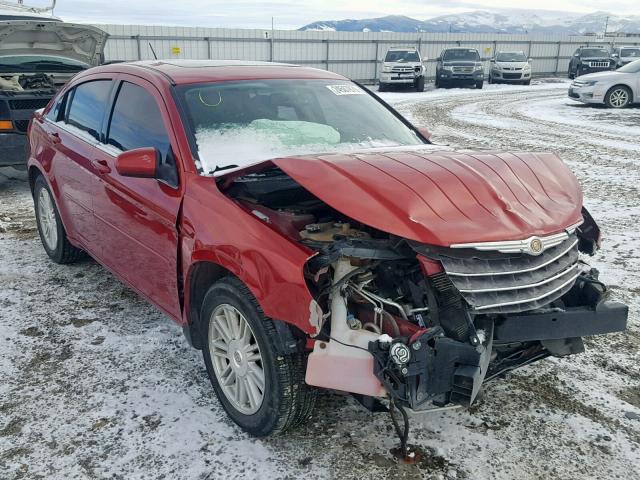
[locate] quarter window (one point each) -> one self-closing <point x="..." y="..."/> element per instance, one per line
<point x="88" y="105"/>
<point x="136" y="122"/>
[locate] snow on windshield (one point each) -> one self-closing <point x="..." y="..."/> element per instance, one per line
<point x="264" y="139"/>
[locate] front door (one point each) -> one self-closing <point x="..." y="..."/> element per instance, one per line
<point x="137" y="217"/>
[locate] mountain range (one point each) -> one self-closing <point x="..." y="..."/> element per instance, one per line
<point x="509" y="21"/>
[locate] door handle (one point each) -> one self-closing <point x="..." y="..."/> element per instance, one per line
<point x="101" y="166"/>
<point x="54" y="137"/>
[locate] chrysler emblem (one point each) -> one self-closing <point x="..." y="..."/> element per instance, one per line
<point x="535" y="245"/>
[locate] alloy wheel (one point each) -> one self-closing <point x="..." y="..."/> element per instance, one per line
<point x="619" y="98"/>
<point x="47" y="219"/>
<point x="236" y="359"/>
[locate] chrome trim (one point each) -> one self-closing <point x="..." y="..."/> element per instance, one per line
<point x="527" y="300"/>
<point x="522" y="246"/>
<point x="511" y="272"/>
<point x="519" y="287"/>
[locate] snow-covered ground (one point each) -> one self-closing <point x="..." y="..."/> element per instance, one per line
<point x="95" y="383"/>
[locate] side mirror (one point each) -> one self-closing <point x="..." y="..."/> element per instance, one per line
<point x="576" y="54"/>
<point x="140" y="162"/>
<point x="530" y="60"/>
<point x="424" y="132"/>
<point x="615" y="55"/>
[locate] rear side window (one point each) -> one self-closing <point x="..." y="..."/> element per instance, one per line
<point x="88" y="105"/>
<point x="136" y="122"/>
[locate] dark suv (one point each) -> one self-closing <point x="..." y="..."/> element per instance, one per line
<point x="459" y="66"/>
<point x="589" y="60"/>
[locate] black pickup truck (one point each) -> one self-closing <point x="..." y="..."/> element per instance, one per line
<point x="37" y="57"/>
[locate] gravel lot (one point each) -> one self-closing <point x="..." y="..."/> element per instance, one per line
<point x="95" y="383"/>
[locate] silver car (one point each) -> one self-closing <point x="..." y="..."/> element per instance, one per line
<point x="616" y="89"/>
<point x="510" y="67"/>
<point x="623" y="55"/>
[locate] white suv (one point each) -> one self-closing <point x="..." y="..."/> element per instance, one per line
<point x="402" y="66"/>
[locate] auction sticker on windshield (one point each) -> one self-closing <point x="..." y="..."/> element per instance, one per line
<point x="346" y="89"/>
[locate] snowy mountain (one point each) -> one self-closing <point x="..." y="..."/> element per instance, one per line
<point x="504" y="21"/>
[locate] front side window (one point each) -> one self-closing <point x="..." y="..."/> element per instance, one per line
<point x="238" y="123"/>
<point x="467" y="55"/>
<point x="136" y="122"/>
<point x="88" y="105"/>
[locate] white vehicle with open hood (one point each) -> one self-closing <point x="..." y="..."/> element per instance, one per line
<point x="402" y="66"/>
<point x="37" y="57"/>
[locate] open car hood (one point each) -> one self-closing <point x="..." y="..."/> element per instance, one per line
<point x="444" y="197"/>
<point x="70" y="40"/>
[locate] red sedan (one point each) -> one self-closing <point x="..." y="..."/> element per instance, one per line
<point x="305" y="235"/>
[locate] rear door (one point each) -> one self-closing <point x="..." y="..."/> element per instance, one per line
<point x="74" y="129"/>
<point x="137" y="217"/>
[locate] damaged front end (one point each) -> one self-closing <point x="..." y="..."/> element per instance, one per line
<point x="425" y="325"/>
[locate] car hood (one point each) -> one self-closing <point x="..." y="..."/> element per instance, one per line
<point x="31" y="37"/>
<point x="445" y="197"/>
<point x="593" y="59"/>
<point x="601" y="76"/>
<point x="512" y="64"/>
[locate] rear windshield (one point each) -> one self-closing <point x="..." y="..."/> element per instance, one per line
<point x="239" y="123"/>
<point x="630" y="52"/>
<point x="468" y="55"/>
<point x="402" y="56"/>
<point x="39" y="63"/>
<point x="511" y="57"/>
<point x="594" y="52"/>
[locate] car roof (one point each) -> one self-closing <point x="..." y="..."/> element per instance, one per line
<point x="461" y="48"/>
<point x="181" y="72"/>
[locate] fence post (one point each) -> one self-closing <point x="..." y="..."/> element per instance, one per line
<point x="375" y="63"/>
<point x="326" y="58"/>
<point x="271" y="48"/>
<point x="139" y="47"/>
<point x="558" y="58"/>
<point x="209" y="52"/>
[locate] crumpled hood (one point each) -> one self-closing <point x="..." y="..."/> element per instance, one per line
<point x="70" y="40"/>
<point x="445" y="197"/>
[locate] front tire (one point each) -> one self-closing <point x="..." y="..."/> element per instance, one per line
<point x="420" y="84"/>
<point x="479" y="84"/>
<point x="382" y="87"/>
<point x="618" y="97"/>
<point x="52" y="233"/>
<point x="261" y="390"/>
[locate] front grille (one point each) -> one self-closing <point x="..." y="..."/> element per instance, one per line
<point x="511" y="76"/>
<point x="463" y="69"/>
<point x="402" y="69"/>
<point x="494" y="282"/>
<point x="599" y="64"/>
<point x="21" y="125"/>
<point x="28" y="104"/>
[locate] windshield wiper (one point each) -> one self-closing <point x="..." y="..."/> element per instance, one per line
<point x="66" y="66"/>
<point x="226" y="167"/>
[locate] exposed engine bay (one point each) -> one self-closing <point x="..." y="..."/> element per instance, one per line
<point x="32" y="81"/>
<point x="426" y="325"/>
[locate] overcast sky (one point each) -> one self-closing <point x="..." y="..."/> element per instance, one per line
<point x="290" y="14"/>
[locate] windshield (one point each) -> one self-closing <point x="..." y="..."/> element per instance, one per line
<point x="39" y="63"/>
<point x="633" y="67"/>
<point x="239" y="123"/>
<point x="630" y="52"/>
<point x="468" y="55"/>
<point x="402" y="56"/>
<point x="594" y="52"/>
<point x="511" y="57"/>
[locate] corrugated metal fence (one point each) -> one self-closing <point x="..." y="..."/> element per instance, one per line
<point x="353" y="54"/>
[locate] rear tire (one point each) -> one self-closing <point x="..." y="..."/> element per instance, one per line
<point x="420" y="84"/>
<point x="490" y="79"/>
<point x="527" y="82"/>
<point x="618" y="97"/>
<point x="570" y="74"/>
<point x="52" y="233"/>
<point x="243" y="354"/>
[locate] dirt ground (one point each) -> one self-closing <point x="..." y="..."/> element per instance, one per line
<point x="95" y="383"/>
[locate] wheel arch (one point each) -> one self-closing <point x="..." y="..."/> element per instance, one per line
<point x="201" y="276"/>
<point x="628" y="87"/>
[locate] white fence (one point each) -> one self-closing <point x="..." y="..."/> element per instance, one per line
<point x="353" y="54"/>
